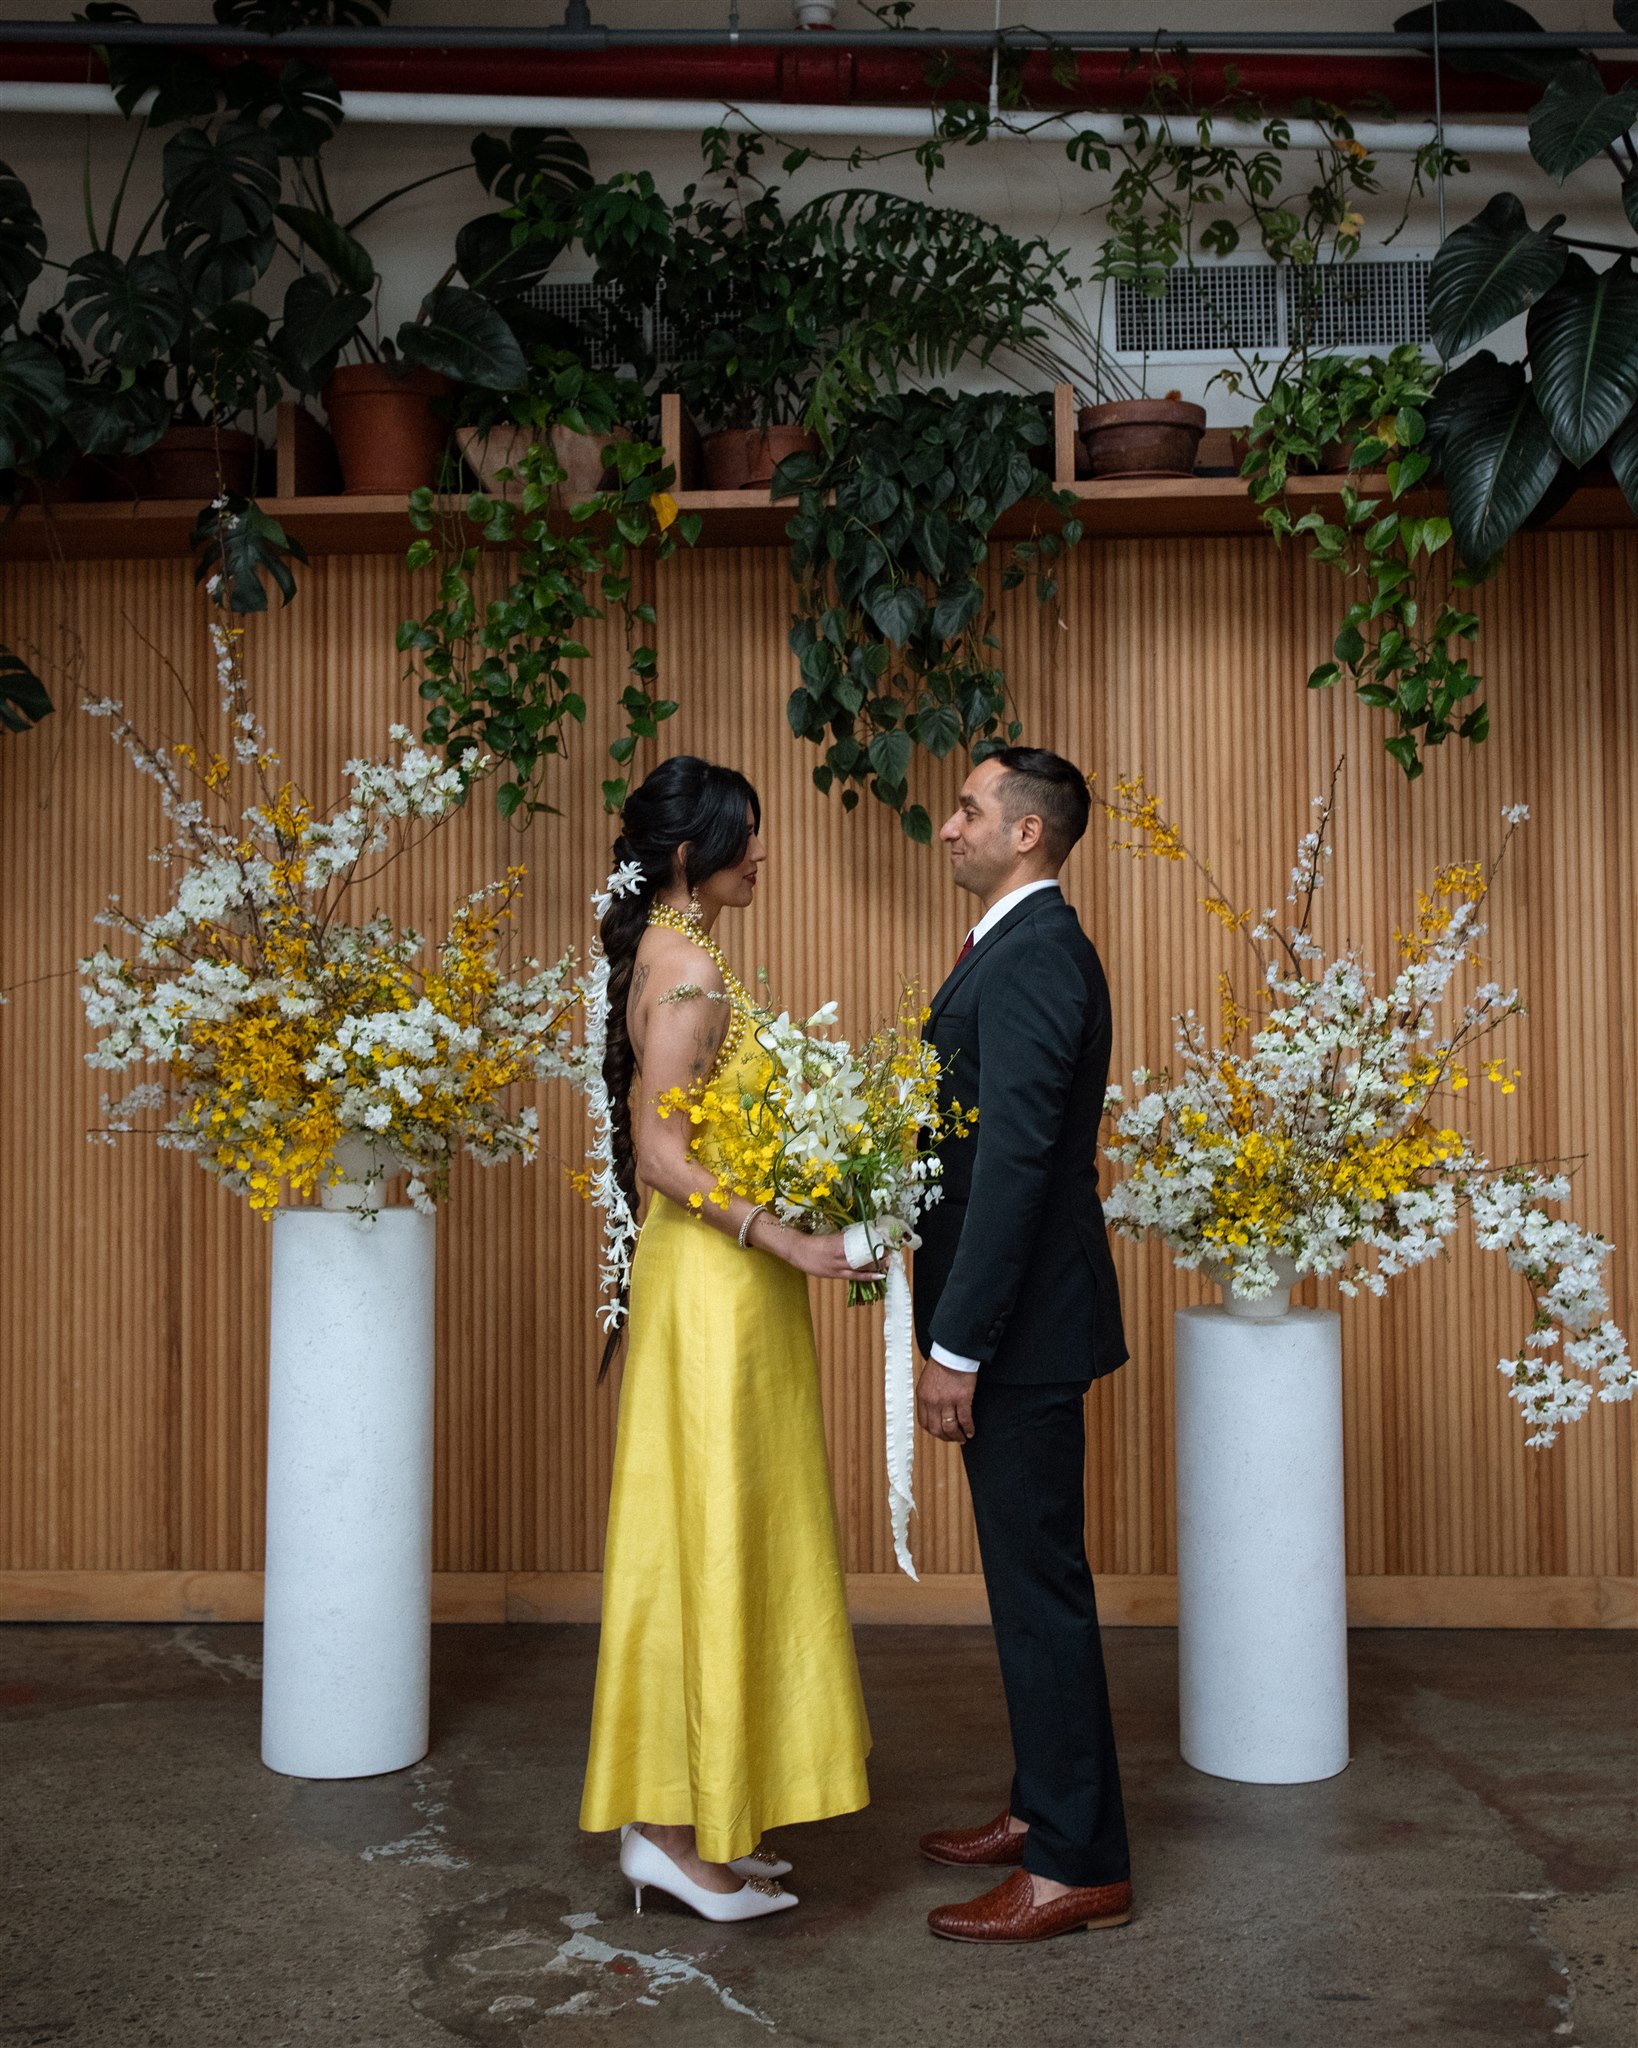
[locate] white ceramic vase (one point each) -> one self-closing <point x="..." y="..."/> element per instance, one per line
<point x="348" y="1599"/>
<point x="1261" y="1588"/>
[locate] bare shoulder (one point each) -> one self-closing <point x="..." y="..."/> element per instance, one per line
<point x="672" y="966"/>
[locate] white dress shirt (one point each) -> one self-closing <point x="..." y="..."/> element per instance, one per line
<point x="985" y="924"/>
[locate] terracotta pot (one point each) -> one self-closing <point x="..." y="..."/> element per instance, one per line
<point x="1143" y="437"/>
<point x="388" y="437"/>
<point x="85" y="481"/>
<point x="1336" y="457"/>
<point x="487" y="450"/>
<point x="195" y="462"/>
<point x="744" y="458"/>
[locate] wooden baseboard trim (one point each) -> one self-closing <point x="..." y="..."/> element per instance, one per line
<point x="1124" y="1600"/>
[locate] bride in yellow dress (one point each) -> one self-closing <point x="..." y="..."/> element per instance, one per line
<point x="728" y="1697"/>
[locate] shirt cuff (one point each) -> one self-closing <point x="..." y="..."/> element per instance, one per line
<point x="940" y="1356"/>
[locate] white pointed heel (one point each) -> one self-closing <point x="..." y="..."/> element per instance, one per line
<point x="645" y="1864"/>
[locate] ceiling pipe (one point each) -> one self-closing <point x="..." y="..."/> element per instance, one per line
<point x="824" y="71"/>
<point x="930" y="41"/>
<point x="477" y="110"/>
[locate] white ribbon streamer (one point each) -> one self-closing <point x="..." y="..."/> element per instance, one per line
<point x="864" y="1244"/>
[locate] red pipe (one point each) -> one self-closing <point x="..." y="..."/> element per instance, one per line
<point x="1364" y="86"/>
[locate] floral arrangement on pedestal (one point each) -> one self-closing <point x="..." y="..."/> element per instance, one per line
<point x="284" y="1031"/>
<point x="1315" y="1136"/>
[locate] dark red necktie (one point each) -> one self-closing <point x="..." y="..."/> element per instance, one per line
<point x="966" y="948"/>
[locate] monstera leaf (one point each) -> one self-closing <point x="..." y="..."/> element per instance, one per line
<point x="546" y="160"/>
<point x="24" y="699"/>
<point x="1578" y="120"/>
<point x="116" y="416"/>
<point x="303" y="105"/>
<point x="183" y="85"/>
<point x="239" y="542"/>
<point x="130" y="313"/>
<point x="221" y="186"/>
<point x="278" y="17"/>
<point x="463" y="336"/>
<point x="1583" y="339"/>
<point x="1498" y="453"/>
<point x="1623" y="455"/>
<point x="1488" y="272"/>
<point x="33" y="391"/>
<point x="22" y="243"/>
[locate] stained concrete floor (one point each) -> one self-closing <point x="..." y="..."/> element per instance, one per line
<point x="1471" y="1878"/>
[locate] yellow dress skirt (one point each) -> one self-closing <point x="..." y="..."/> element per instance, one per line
<point x="727" y="1690"/>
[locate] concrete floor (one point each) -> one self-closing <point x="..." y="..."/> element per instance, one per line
<point x="1471" y="1878"/>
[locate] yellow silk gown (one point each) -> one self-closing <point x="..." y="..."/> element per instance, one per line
<point x="727" y="1691"/>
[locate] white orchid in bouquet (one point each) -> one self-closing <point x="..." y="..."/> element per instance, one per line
<point x="280" y="1028"/>
<point x="1317" y="1130"/>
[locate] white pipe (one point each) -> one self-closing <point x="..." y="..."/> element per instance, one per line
<point x="912" y="124"/>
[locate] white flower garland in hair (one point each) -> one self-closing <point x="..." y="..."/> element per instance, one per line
<point x="619" y="1225"/>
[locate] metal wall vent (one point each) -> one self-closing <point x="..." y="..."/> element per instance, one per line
<point x="587" y="307"/>
<point x="1371" y="303"/>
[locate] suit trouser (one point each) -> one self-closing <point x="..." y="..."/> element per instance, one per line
<point x="1026" y="1469"/>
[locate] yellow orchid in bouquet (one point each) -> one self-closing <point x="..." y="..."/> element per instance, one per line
<point x="282" y="1030"/>
<point x="825" y="1131"/>
<point x="1316" y="1131"/>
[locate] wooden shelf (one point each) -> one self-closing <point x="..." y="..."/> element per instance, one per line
<point x="329" y="524"/>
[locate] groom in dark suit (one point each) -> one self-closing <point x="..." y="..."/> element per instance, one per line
<point x="1017" y="1312"/>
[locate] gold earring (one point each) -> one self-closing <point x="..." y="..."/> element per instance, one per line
<point x="695" y="910"/>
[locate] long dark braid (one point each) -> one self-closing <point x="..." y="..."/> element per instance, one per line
<point x="685" y="801"/>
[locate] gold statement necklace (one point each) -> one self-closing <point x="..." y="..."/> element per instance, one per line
<point x="671" y="920"/>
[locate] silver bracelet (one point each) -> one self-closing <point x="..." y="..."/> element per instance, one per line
<point x="756" y="1209"/>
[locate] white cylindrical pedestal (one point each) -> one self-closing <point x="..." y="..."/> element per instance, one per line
<point x="1261" y="1593"/>
<point x="346" y="1640"/>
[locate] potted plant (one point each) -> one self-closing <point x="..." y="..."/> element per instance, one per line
<point x="580" y="410"/>
<point x="1312" y="1137"/>
<point x="387" y="395"/>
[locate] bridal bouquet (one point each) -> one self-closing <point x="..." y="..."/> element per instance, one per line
<point x="834" y="1134"/>
<point x="284" y="1031"/>
<point x="1316" y="1133"/>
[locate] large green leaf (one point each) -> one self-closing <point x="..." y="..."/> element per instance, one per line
<point x="33" y="393"/>
<point x="1626" y="16"/>
<point x="278" y="17"/>
<point x="1623" y="455"/>
<point x="342" y="254"/>
<point x="1498" y="453"/>
<point x="1583" y="339"/>
<point x="486" y="258"/>
<point x="318" y="321"/>
<point x="130" y="313"/>
<point x="1578" y="120"/>
<point x="24" y="699"/>
<point x="116" y="416"/>
<point x="549" y="160"/>
<point x="241" y="543"/>
<point x="222" y="185"/>
<point x="22" y="243"/>
<point x="302" y="105"/>
<point x="183" y="85"/>
<point x="1488" y="272"/>
<point x="1489" y="17"/>
<point x="464" y="337"/>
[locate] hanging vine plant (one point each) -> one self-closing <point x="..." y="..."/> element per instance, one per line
<point x="896" y="648"/>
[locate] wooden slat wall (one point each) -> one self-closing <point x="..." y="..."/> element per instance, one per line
<point x="132" y="1289"/>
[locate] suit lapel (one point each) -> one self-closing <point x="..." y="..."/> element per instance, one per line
<point x="1018" y="914"/>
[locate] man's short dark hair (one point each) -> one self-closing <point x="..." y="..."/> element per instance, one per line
<point x="1052" y="788"/>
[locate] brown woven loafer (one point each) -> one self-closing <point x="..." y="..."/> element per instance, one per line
<point x="995" y="1843"/>
<point x="1009" y="1913"/>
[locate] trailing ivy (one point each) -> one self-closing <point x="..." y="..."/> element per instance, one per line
<point x="1400" y="643"/>
<point x="502" y="673"/>
<point x="894" y="643"/>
